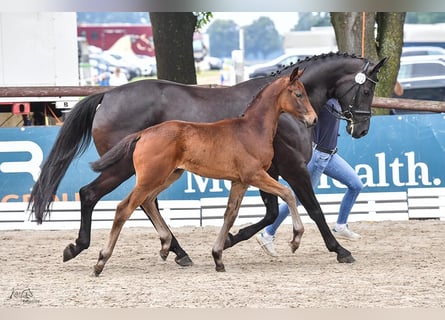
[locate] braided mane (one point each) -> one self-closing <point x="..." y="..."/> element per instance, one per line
<point x="315" y="58"/>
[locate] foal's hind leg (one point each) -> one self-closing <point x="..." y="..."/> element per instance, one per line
<point x="182" y="258"/>
<point x="123" y="211"/>
<point x="236" y="195"/>
<point x="167" y="238"/>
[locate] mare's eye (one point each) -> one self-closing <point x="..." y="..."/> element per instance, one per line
<point x="366" y="92"/>
<point x="298" y="94"/>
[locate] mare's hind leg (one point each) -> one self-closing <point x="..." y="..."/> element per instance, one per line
<point x="236" y="195"/>
<point x="89" y="196"/>
<point x="123" y="211"/>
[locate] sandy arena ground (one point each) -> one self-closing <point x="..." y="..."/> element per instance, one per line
<point x="399" y="264"/>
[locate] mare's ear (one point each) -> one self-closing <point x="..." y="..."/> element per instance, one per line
<point x="377" y="67"/>
<point x="296" y="73"/>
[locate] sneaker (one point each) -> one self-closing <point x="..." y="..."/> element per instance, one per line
<point x="346" y="234"/>
<point x="266" y="243"/>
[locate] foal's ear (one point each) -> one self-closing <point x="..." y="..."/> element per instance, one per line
<point x="296" y="73"/>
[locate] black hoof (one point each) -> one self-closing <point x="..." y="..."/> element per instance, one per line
<point x="69" y="252"/>
<point x="185" y="261"/>
<point x="345" y="259"/>
<point x="220" y="268"/>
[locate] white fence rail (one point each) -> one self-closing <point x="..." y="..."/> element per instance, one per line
<point x="416" y="203"/>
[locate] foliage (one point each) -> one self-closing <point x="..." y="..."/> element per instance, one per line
<point x="262" y="40"/>
<point x="203" y="19"/>
<point x="425" y="17"/>
<point x="223" y="38"/>
<point x="307" y="20"/>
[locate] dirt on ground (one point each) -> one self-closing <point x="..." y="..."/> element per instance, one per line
<point x="399" y="264"/>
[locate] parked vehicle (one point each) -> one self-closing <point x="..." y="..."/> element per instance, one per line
<point x="144" y="65"/>
<point x="423" y="78"/>
<point x="422" y="51"/>
<point x="131" y="72"/>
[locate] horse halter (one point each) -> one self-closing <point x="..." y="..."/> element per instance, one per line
<point x="359" y="80"/>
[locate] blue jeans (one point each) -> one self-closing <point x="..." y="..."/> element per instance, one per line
<point x="333" y="166"/>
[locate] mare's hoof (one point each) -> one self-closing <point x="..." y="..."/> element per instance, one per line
<point x="220" y="268"/>
<point x="185" y="261"/>
<point x="69" y="252"/>
<point x="345" y="259"/>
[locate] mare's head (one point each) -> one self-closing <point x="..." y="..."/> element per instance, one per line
<point x="294" y="100"/>
<point x="347" y="77"/>
<point x="355" y="92"/>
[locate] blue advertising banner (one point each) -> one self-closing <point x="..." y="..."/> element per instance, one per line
<point x="399" y="152"/>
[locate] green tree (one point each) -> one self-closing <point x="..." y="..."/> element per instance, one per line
<point x="307" y="20"/>
<point x="261" y="39"/>
<point x="223" y="38"/>
<point x="425" y="17"/>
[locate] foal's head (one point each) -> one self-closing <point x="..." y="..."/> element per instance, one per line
<point x="294" y="100"/>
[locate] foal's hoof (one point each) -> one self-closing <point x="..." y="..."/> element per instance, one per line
<point x="69" y="252"/>
<point x="345" y="259"/>
<point x="185" y="261"/>
<point x="163" y="254"/>
<point x="294" y="246"/>
<point x="97" y="270"/>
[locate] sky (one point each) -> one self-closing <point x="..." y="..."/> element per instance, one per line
<point x="284" y="21"/>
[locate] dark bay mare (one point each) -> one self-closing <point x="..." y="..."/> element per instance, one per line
<point x="110" y="116"/>
<point x="237" y="149"/>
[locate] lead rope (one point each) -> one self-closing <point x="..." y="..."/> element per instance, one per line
<point x="363" y="32"/>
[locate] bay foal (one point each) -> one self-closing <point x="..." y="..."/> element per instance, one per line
<point x="239" y="150"/>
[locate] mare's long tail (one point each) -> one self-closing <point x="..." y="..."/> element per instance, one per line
<point x="123" y="149"/>
<point x="73" y="139"/>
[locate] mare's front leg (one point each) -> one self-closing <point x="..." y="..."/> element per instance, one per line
<point x="236" y="195"/>
<point x="89" y="196"/>
<point x="305" y="193"/>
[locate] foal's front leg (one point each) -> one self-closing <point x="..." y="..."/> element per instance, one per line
<point x="236" y="195"/>
<point x="266" y="183"/>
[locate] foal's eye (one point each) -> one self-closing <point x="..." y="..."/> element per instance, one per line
<point x="298" y="94"/>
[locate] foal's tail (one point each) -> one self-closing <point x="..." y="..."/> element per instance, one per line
<point x="73" y="139"/>
<point x="121" y="150"/>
